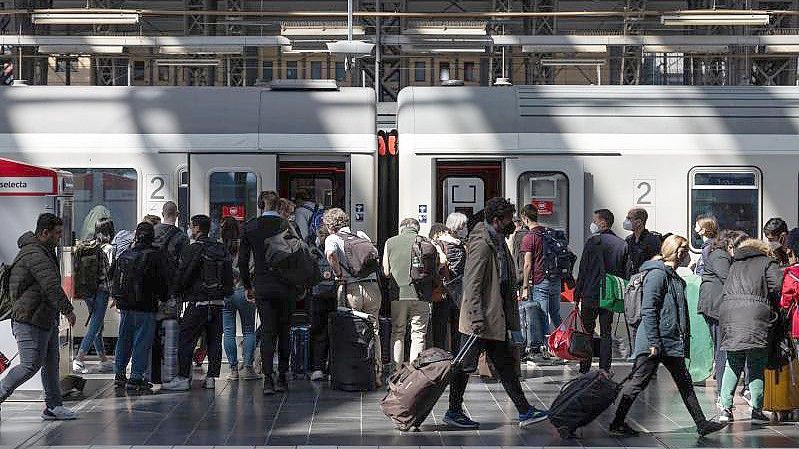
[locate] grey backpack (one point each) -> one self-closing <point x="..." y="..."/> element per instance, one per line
<point x="633" y="297"/>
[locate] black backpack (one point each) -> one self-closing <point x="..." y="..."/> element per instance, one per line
<point x="362" y="256"/>
<point x="129" y="276"/>
<point x="326" y="288"/>
<point x="216" y="273"/>
<point x="558" y="258"/>
<point x="5" y="292"/>
<point x="167" y="243"/>
<point x="424" y="267"/>
<point x="88" y="262"/>
<point x="288" y="256"/>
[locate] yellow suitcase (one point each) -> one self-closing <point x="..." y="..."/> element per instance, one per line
<point x="782" y="388"/>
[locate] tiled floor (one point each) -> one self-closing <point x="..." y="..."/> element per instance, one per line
<point x="237" y="414"/>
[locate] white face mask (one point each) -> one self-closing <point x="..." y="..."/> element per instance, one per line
<point x="594" y="229"/>
<point x="627" y="225"/>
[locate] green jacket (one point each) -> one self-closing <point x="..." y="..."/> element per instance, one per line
<point x="397" y="262"/>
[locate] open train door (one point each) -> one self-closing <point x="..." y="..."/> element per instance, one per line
<point x="465" y="186"/>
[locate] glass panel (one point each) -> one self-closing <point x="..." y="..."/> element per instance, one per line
<point x="468" y="71"/>
<point x="725" y="179"/>
<point x="230" y="192"/>
<point x="267" y="74"/>
<point x="104" y="192"/>
<point x="419" y="72"/>
<point x="326" y="182"/>
<point x="316" y="70"/>
<point x="138" y="70"/>
<point x="163" y="73"/>
<point x="291" y="70"/>
<point x="341" y="72"/>
<point x="549" y="192"/>
<point x="443" y="71"/>
<point x="735" y="204"/>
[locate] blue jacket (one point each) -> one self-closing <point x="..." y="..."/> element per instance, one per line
<point x="664" y="312"/>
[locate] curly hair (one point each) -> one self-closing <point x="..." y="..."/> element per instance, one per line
<point x="335" y="219"/>
<point x="498" y="208"/>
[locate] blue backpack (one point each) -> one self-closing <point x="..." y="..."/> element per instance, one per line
<point x="558" y="259"/>
<point x="314" y="223"/>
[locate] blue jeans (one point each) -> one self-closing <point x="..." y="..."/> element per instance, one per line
<point x="94" y="331"/>
<point x="237" y="303"/>
<point x="543" y="311"/>
<point x="136" y="335"/>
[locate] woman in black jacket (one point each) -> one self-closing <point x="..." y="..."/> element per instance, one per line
<point x="744" y="320"/>
<point x="714" y="275"/>
<point x="663" y="336"/>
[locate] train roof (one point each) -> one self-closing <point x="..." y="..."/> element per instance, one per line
<point x="186" y="119"/>
<point x="598" y="119"/>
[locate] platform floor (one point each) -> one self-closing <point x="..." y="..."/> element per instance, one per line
<point x="237" y="414"/>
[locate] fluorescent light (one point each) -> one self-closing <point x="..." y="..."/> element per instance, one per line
<point x="84" y="18"/>
<point x="187" y="62"/>
<point x="311" y="28"/>
<point x="81" y="49"/>
<point x="782" y="48"/>
<point x="551" y="62"/>
<point x="715" y="19"/>
<point x="181" y="50"/>
<point x="447" y="29"/>
<point x="564" y="48"/>
<point x="350" y="47"/>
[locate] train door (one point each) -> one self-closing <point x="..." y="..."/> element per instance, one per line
<point x="464" y="186"/>
<point x="228" y="184"/>
<point x="325" y="181"/>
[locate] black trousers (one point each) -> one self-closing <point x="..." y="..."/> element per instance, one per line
<point x="646" y="367"/>
<point x="590" y="313"/>
<point x="319" y="311"/>
<point x="275" y="314"/>
<point x="196" y="321"/>
<point x="156" y="355"/>
<point x="439" y="325"/>
<point x="501" y="355"/>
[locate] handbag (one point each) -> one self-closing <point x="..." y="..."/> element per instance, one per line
<point x="570" y="341"/>
<point x="611" y="293"/>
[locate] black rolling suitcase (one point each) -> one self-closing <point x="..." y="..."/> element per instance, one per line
<point x="300" y="352"/>
<point x="385" y="340"/>
<point x="352" y="351"/>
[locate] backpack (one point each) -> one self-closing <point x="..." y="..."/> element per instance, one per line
<point x="290" y="258"/>
<point x="326" y="288"/>
<point x="424" y="267"/>
<point x="121" y="242"/>
<point x="314" y="223"/>
<point x="167" y="244"/>
<point x="633" y="297"/>
<point x="558" y="258"/>
<point x="88" y="261"/>
<point x="216" y="273"/>
<point x="518" y="255"/>
<point x="362" y="256"/>
<point x="127" y="285"/>
<point x="5" y="292"/>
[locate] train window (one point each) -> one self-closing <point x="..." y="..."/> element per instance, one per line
<point x="104" y="192"/>
<point x="732" y="195"/>
<point x="420" y="74"/>
<point x="325" y="182"/>
<point x="234" y="194"/>
<point x="549" y="193"/>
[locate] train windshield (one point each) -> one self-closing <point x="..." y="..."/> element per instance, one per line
<point x="731" y="196"/>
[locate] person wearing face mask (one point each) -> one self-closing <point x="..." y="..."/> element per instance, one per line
<point x="745" y="318"/>
<point x="707" y="227"/>
<point x="663" y="337"/>
<point x="489" y="311"/>
<point x="642" y="244"/>
<point x="776" y="233"/>
<point x="604" y="252"/>
<point x="456" y="260"/>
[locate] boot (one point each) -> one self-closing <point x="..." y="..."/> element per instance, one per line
<point x="269" y="385"/>
<point x="281" y="385"/>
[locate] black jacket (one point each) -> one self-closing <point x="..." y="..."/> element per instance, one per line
<point x="745" y="315"/>
<point x="642" y="250"/>
<point x="714" y="275"/>
<point x="156" y="280"/>
<point x="35" y="285"/>
<point x="189" y="279"/>
<point x="664" y="313"/>
<point x="603" y="253"/>
<point x="256" y="231"/>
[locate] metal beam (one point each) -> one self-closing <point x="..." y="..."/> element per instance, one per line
<point x="29" y="40"/>
<point x="641" y="39"/>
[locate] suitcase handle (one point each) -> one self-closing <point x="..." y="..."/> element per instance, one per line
<point x="464" y="350"/>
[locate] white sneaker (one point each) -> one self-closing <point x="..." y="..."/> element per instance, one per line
<point x="59" y="413"/>
<point x="79" y="367"/>
<point x="209" y="383"/>
<point x="106" y="367"/>
<point x="177" y="384"/>
<point x="317" y="376"/>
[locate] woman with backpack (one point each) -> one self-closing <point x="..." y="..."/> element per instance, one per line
<point x="663" y="336"/>
<point x="711" y="292"/>
<point x="237" y="304"/>
<point x="745" y="318"/>
<point x="98" y="303"/>
<point x="321" y="304"/>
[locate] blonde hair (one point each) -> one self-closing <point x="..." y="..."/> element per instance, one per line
<point x="335" y="219"/>
<point x="709" y="224"/>
<point x="672" y="248"/>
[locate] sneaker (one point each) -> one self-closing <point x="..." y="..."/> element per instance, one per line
<point x="234" y="373"/>
<point x="138" y="385"/>
<point x="623" y="430"/>
<point x="269" y="386"/>
<point x="317" y="376"/>
<point x="532" y="416"/>
<point x="79" y="367"/>
<point x="177" y="384"/>
<point x="120" y="380"/>
<point x="59" y="413"/>
<point x="209" y="383"/>
<point x="759" y="418"/>
<point x="460" y="420"/>
<point x="248" y="373"/>
<point x="281" y="385"/>
<point x="709" y="427"/>
<point x="105" y="367"/>
<point x="726" y="416"/>
<point x="747" y="395"/>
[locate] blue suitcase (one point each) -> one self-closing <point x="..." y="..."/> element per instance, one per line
<point x="300" y="351"/>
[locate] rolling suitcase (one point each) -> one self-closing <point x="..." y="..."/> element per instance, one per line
<point x="385" y="340"/>
<point x="352" y="351"/>
<point x="415" y="388"/>
<point x="781" y="388"/>
<point x="300" y="352"/>
<point x="169" y="342"/>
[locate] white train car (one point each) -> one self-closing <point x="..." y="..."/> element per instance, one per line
<point x="211" y="150"/>
<point x="676" y="151"/>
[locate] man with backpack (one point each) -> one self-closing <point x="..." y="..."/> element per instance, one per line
<point x="642" y="244"/>
<point x="37" y="299"/>
<point x="205" y="278"/>
<point x="308" y="215"/>
<point x="139" y="284"/>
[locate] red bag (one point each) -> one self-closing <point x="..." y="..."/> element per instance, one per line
<point x="570" y="341"/>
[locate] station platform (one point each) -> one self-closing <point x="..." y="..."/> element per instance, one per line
<point x="311" y="414"/>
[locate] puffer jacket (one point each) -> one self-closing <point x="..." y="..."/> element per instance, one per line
<point x="35" y="285"/>
<point x="714" y="275"/>
<point x="664" y="312"/>
<point x="746" y="312"/>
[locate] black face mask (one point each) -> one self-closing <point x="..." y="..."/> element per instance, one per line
<point x="508" y="229"/>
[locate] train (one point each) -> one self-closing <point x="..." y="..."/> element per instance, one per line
<point x="678" y="152"/>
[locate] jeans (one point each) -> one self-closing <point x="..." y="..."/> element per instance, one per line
<point x="38" y="348"/>
<point x="136" y="335"/>
<point x="533" y="321"/>
<point x="755" y="360"/>
<point x="94" y="331"/>
<point x="238" y="304"/>
<point x="542" y="312"/>
<point x="200" y="320"/>
<point x="646" y="367"/>
<point x="501" y="355"/>
<point x="275" y="313"/>
<point x="720" y="356"/>
<point x="590" y="312"/>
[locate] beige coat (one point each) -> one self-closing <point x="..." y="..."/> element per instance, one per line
<point x="482" y="300"/>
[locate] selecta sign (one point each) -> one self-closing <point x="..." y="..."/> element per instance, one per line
<point x="19" y="179"/>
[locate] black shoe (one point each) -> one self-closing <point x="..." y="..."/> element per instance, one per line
<point x="120" y="381"/>
<point x="726" y="416"/>
<point x="623" y="430"/>
<point x="269" y="386"/>
<point x="138" y="385"/>
<point x="759" y="418"/>
<point x="709" y="427"/>
<point x="281" y="385"/>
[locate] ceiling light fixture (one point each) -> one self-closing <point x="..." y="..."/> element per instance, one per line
<point x="85" y="18"/>
<point x="692" y="19"/>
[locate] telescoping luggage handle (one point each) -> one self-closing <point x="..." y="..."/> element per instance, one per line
<point x="465" y="349"/>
